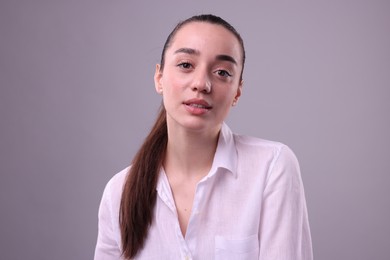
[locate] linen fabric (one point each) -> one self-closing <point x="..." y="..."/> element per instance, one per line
<point x="251" y="205"/>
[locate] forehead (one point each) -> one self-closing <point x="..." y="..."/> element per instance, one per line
<point x="207" y="38"/>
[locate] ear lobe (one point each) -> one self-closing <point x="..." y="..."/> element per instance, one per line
<point x="157" y="79"/>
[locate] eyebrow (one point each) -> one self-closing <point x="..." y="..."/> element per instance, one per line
<point x="221" y="57"/>
<point x="187" y="51"/>
<point x="224" y="57"/>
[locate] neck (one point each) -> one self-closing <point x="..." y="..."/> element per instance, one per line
<point x="190" y="154"/>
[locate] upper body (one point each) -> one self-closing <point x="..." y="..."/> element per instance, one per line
<point x="251" y="205"/>
<point x="194" y="190"/>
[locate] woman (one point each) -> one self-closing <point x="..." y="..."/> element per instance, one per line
<point x="195" y="190"/>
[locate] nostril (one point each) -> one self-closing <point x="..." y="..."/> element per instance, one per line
<point x="203" y="86"/>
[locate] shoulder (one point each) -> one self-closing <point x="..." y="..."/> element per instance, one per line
<point x="109" y="231"/>
<point x="250" y="144"/>
<point x="255" y="141"/>
<point x="281" y="163"/>
<point x="254" y="152"/>
<point x="113" y="188"/>
<point x="119" y="178"/>
<point x="274" y="155"/>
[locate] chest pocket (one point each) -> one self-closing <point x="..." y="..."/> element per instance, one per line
<point x="236" y="248"/>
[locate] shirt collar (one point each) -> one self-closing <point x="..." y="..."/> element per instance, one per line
<point x="226" y="153"/>
<point x="225" y="157"/>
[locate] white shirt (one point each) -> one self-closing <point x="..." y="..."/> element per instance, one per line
<point x="251" y="205"/>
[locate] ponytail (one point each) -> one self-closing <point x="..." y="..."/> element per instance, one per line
<point x="139" y="191"/>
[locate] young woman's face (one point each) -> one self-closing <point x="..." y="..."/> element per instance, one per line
<point x="201" y="77"/>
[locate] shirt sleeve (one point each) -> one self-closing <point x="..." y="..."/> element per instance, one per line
<point x="284" y="227"/>
<point x="107" y="247"/>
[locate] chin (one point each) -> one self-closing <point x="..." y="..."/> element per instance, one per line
<point x="196" y="126"/>
<point x="201" y="126"/>
<point x="194" y="123"/>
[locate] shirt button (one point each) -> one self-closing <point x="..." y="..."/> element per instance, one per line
<point x="187" y="257"/>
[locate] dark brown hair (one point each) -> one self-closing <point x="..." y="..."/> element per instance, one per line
<point x="139" y="191"/>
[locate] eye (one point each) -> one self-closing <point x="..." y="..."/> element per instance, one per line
<point x="223" y="73"/>
<point x="184" y="65"/>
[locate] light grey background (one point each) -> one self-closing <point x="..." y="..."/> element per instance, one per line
<point x="77" y="98"/>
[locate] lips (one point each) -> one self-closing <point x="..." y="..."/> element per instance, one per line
<point x="197" y="107"/>
<point x="197" y="103"/>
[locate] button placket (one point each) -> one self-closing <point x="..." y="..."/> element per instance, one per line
<point x="184" y="250"/>
<point x="193" y="228"/>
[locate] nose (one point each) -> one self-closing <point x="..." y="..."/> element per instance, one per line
<point x="202" y="82"/>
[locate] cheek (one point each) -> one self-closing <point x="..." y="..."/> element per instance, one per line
<point x="173" y="87"/>
<point x="225" y="97"/>
<point x="172" y="80"/>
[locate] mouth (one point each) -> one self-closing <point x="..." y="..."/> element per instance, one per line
<point x="198" y="103"/>
<point x="198" y="106"/>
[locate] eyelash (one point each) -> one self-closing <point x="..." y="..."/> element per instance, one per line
<point x="226" y="73"/>
<point x="184" y="65"/>
<point x="188" y="65"/>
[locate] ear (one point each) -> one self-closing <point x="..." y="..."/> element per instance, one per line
<point x="238" y="94"/>
<point x="157" y="79"/>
